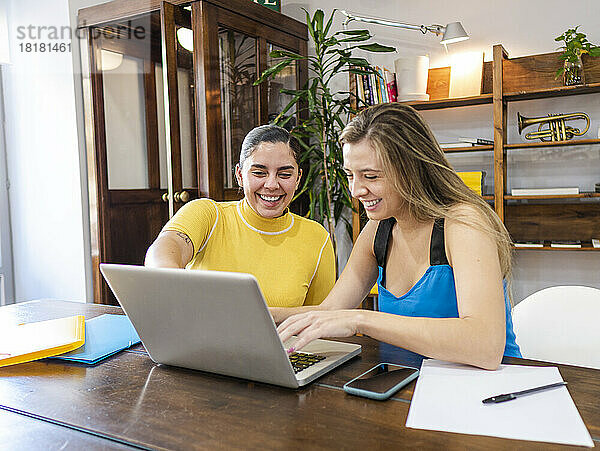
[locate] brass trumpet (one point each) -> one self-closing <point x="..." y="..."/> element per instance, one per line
<point x="557" y="129"/>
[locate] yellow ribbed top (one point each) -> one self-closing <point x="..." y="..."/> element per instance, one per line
<point x="291" y="257"/>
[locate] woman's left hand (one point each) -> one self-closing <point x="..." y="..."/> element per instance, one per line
<point x="318" y="324"/>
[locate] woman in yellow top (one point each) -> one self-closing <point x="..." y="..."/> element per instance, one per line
<point x="292" y="257"/>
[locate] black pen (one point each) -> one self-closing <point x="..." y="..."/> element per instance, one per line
<point x="515" y="395"/>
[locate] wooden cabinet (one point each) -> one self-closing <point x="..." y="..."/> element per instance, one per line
<point x="530" y="218"/>
<point x="169" y="97"/>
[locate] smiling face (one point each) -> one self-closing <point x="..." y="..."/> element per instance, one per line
<point x="368" y="181"/>
<point x="269" y="177"/>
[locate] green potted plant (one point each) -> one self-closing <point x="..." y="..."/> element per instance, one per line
<point x="328" y="112"/>
<point x="575" y="44"/>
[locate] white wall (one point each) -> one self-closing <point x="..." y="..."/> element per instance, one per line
<point x="43" y="161"/>
<point x="523" y="28"/>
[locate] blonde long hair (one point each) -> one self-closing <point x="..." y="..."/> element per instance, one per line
<point x="421" y="174"/>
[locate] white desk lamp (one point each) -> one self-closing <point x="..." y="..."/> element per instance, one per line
<point x="452" y="32"/>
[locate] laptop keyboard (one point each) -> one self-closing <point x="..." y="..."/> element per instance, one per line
<point x="301" y="360"/>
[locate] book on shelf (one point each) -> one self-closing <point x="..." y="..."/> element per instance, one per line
<point x="381" y="85"/>
<point x="390" y="82"/>
<point x="473" y="180"/>
<point x="566" y="244"/>
<point x="384" y="84"/>
<point x="543" y="191"/>
<point x="377" y="82"/>
<point x="529" y="244"/>
<point x="477" y="141"/>
<point x="595" y="243"/>
<point x="368" y="88"/>
<point x="364" y="78"/>
<point x="360" y="89"/>
<point x="377" y="87"/>
<point x="374" y="90"/>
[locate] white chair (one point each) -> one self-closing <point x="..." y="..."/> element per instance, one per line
<point x="561" y="325"/>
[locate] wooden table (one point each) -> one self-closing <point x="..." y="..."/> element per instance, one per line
<point x="127" y="402"/>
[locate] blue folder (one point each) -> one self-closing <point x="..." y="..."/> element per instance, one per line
<point x="105" y="335"/>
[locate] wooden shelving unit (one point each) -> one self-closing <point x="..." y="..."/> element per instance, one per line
<point x="531" y="218"/>
<point x="452" y="103"/>
<point x="584" y="247"/>
<point x="559" y="91"/>
<point x="573" y="142"/>
<point x="556" y="196"/>
<point x="469" y="149"/>
<point x="540" y="218"/>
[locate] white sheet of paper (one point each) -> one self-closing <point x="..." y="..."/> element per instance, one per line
<point x="448" y="398"/>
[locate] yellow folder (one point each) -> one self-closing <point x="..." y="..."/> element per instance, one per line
<point x="32" y="341"/>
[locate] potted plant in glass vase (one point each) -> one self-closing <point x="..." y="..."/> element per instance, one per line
<point x="328" y="112"/>
<point x="575" y="45"/>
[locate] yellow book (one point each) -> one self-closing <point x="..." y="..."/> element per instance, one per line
<point x="473" y="180"/>
<point x="32" y="341"/>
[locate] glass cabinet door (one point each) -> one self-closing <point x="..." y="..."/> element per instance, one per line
<point x="140" y="107"/>
<point x="177" y="144"/>
<point x="239" y="98"/>
<point x="234" y="51"/>
<point x="286" y="79"/>
<point x="126" y="206"/>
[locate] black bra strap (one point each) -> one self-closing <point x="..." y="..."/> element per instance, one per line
<point x="437" y="250"/>
<point x="380" y="245"/>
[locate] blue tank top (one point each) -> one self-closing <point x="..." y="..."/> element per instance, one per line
<point x="434" y="294"/>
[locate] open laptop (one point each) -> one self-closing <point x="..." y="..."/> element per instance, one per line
<point x="215" y="321"/>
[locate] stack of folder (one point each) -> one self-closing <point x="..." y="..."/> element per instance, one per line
<point x="27" y="342"/>
<point x="72" y="338"/>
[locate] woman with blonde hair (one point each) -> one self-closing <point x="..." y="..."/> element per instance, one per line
<point x="440" y="255"/>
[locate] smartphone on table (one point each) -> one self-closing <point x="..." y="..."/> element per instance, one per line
<point x="381" y="381"/>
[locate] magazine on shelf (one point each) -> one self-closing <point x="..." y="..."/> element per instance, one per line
<point x="566" y="243"/>
<point x="543" y="191"/>
<point x="529" y="244"/>
<point x="595" y="243"/>
<point x="478" y="141"/>
<point x="450" y="145"/>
